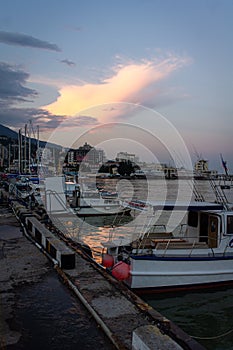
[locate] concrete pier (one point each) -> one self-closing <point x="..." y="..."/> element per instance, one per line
<point x="126" y="319"/>
<point x="23" y="269"/>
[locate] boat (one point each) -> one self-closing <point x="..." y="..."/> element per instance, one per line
<point x="20" y="187"/>
<point x="90" y="202"/>
<point x="199" y="254"/>
<point x="77" y="198"/>
<point x="108" y="194"/>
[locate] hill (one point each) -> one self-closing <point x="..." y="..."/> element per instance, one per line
<point x="5" y="131"/>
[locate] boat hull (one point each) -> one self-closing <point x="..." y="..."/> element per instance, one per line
<point x="178" y="273"/>
<point x="101" y="211"/>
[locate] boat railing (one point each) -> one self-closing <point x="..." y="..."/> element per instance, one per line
<point x="155" y="231"/>
<point x="179" y="243"/>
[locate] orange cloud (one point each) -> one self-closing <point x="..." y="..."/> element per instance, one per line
<point x="133" y="83"/>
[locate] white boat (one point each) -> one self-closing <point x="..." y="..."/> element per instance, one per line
<point x="90" y="202"/>
<point x="61" y="195"/>
<point x="201" y="255"/>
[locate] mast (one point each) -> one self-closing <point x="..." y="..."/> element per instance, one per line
<point x="20" y="151"/>
<point x="37" y="148"/>
<point x="29" y="146"/>
<point x="9" y="157"/>
<point x="25" y="148"/>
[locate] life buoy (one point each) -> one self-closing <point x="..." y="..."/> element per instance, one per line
<point x="231" y="243"/>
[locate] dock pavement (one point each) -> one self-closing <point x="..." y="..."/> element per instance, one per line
<point x="127" y="321"/>
<point x="25" y="273"/>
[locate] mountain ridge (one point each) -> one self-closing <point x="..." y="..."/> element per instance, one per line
<point x="6" y="131"/>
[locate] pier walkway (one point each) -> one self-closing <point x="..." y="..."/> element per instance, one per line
<point x="125" y="318"/>
<point x="36" y="310"/>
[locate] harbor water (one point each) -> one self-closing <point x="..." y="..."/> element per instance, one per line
<point x="206" y="314"/>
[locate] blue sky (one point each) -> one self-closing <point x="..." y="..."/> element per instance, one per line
<point x="60" y="58"/>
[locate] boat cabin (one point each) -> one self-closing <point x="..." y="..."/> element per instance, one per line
<point x="205" y="227"/>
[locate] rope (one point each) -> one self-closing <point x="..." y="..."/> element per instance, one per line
<point x="212" y="338"/>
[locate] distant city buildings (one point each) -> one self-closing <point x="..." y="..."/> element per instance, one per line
<point x="201" y="166"/>
<point x="201" y="169"/>
<point x="26" y="155"/>
<point x="44" y="155"/>
<point x="87" y="154"/>
<point x="125" y="156"/>
<point x="3" y="155"/>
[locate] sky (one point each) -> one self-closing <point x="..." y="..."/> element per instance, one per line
<point x="78" y="68"/>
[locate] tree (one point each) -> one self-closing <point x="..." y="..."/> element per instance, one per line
<point x="125" y="168"/>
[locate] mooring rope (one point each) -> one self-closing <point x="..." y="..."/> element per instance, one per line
<point x="212" y="338"/>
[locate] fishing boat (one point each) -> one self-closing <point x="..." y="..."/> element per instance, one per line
<point x="199" y="255"/>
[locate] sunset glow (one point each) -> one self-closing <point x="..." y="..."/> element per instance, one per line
<point x="134" y="83"/>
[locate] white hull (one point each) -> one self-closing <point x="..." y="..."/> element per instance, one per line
<point x="174" y="273"/>
<point x="101" y="211"/>
<point x="196" y="254"/>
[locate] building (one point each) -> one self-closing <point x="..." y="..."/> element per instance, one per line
<point x="125" y="156"/>
<point x="3" y="155"/>
<point x="87" y="154"/>
<point x="44" y="155"/>
<point x="201" y="166"/>
<point x="201" y="169"/>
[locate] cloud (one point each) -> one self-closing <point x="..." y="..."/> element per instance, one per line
<point x="26" y="40"/>
<point x="17" y="117"/>
<point x="133" y="82"/>
<point x="12" y="89"/>
<point x="81" y="121"/>
<point x="68" y="62"/>
<point x="13" y="92"/>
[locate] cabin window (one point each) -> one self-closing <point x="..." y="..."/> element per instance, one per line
<point x="230" y="224"/>
<point x="193" y="219"/>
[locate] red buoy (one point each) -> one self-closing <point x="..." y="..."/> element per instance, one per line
<point x="121" y="271"/>
<point x="107" y="260"/>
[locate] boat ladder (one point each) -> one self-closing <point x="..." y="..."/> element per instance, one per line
<point x="197" y="195"/>
<point x="219" y="194"/>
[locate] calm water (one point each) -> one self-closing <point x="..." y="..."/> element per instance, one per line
<point x="206" y="314"/>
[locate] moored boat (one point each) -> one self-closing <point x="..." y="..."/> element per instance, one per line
<point x="201" y="254"/>
<point x="90" y="202"/>
<point x="78" y="199"/>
